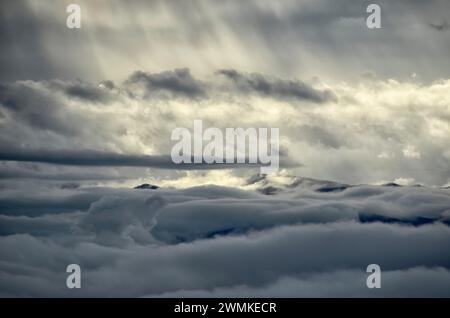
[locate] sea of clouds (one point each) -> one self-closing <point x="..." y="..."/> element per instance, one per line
<point x="306" y="238"/>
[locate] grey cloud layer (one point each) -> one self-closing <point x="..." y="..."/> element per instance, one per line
<point x="104" y="159"/>
<point x="339" y="284"/>
<point x="276" y="87"/>
<point x="190" y="242"/>
<point x="179" y="82"/>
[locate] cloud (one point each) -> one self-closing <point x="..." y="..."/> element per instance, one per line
<point x="178" y="82"/>
<point x="13" y="170"/>
<point x="104" y="159"/>
<point x="256" y="260"/>
<point x="29" y="103"/>
<point x="207" y="212"/>
<point x="213" y="240"/>
<point x="123" y="126"/>
<point x="403" y="283"/>
<point x="46" y="226"/>
<point x="312" y="38"/>
<point x="86" y="158"/>
<point x="72" y="150"/>
<point x="275" y="87"/>
<point x="86" y="92"/>
<point x="443" y="26"/>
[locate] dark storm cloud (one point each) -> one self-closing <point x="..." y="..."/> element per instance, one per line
<point x="104" y="159"/>
<point x="277" y="88"/>
<point x="178" y="82"/>
<point x="35" y="107"/>
<point x="443" y="26"/>
<point x="86" y="92"/>
<point x="16" y="170"/>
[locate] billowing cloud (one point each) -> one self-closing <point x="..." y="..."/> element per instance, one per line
<point x="214" y="241"/>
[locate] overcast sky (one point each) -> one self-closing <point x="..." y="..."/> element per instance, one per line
<point x="289" y="38"/>
<point x="87" y="114"/>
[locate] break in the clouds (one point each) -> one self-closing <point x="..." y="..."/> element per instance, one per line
<point x="86" y="117"/>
